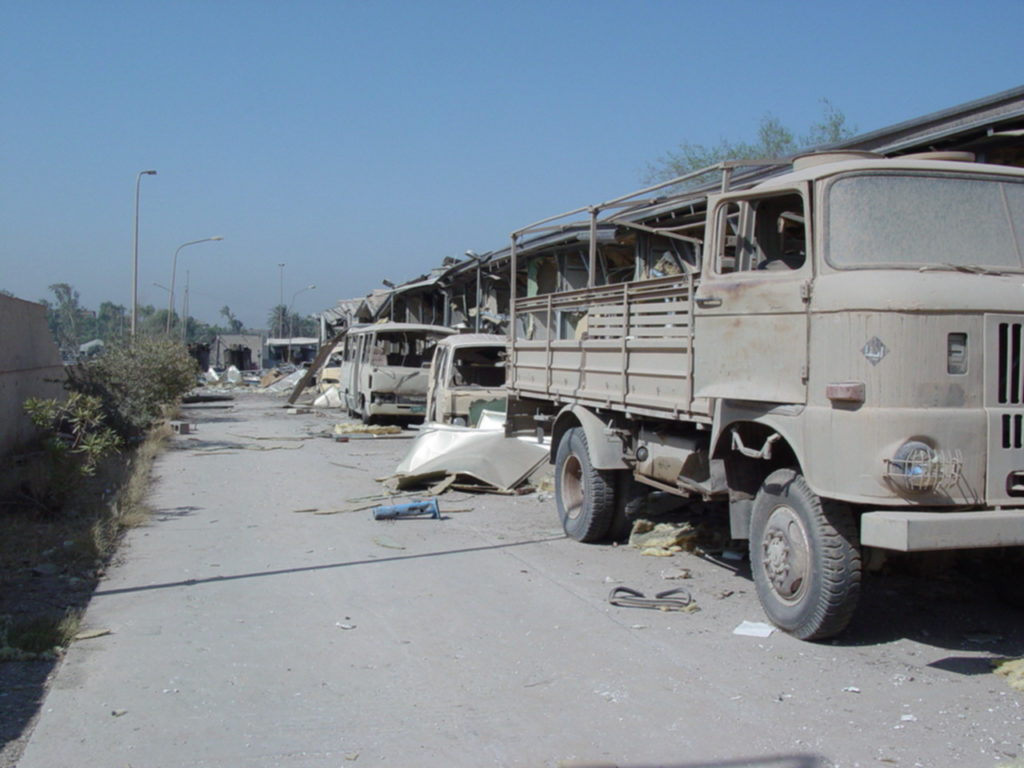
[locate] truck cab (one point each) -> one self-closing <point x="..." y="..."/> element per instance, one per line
<point x="840" y="366"/>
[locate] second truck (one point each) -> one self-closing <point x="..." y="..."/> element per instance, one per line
<point x="832" y="349"/>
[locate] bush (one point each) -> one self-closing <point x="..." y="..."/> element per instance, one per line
<point x="75" y="427"/>
<point x="135" y="382"/>
<point x="76" y="439"/>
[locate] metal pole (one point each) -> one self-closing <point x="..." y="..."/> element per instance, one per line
<point x="135" y="252"/>
<point x="280" y="303"/>
<point x="174" y="266"/>
<point x="184" y="310"/>
<point x="476" y="325"/>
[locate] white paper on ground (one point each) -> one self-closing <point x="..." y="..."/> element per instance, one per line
<point x="754" y="629"/>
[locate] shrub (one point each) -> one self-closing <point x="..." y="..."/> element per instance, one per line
<point x="76" y="439"/>
<point x="135" y="382"/>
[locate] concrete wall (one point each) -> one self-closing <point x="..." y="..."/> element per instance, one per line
<point x="30" y="366"/>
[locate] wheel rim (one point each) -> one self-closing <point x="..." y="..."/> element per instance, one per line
<point x="572" y="487"/>
<point x="786" y="554"/>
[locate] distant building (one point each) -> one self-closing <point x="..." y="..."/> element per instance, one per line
<point x="242" y="350"/>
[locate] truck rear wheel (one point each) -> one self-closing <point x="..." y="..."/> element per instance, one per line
<point x="804" y="558"/>
<point x="585" y="496"/>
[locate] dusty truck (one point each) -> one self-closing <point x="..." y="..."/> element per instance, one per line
<point x="832" y="349"/>
<point x="467" y="376"/>
<point x="385" y="367"/>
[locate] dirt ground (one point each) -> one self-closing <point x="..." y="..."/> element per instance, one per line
<point x="250" y="628"/>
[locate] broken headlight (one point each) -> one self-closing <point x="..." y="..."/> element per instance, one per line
<point x="918" y="467"/>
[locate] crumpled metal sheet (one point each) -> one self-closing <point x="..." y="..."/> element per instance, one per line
<point x="483" y="455"/>
<point x="329" y="398"/>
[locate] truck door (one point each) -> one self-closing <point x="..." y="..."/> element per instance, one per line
<point x="353" y="357"/>
<point x="750" y="318"/>
<point x="435" y="386"/>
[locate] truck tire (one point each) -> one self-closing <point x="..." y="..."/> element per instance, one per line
<point x="364" y="412"/>
<point x="585" y="496"/>
<point x="804" y="558"/>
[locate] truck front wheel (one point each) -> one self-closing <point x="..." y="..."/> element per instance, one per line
<point x="585" y="496"/>
<point x="804" y="558"/>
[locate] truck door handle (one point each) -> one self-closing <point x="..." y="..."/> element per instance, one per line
<point x="708" y="301"/>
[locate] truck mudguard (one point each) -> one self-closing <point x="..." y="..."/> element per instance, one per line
<point x="605" y="446"/>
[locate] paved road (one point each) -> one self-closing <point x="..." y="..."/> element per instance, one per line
<point x="247" y="633"/>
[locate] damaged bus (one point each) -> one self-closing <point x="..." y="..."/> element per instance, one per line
<point x="385" y="367"/>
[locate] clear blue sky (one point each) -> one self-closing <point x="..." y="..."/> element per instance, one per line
<point x="361" y="141"/>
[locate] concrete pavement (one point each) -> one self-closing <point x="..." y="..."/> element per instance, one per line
<point x="248" y="633"/>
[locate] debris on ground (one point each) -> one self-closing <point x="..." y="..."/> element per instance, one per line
<point x="329" y="398"/>
<point x="271" y="376"/>
<point x="1013" y="671"/>
<point x="426" y="508"/>
<point x="289" y="438"/>
<point x="677" y="573"/>
<point x="662" y="539"/>
<point x="285" y="383"/>
<point x="469" y="458"/>
<point x="754" y="629"/>
<point x="371" y="430"/>
<point x="677" y="599"/>
<point x="89" y="634"/>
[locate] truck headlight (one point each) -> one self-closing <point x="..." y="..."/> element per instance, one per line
<point x="918" y="467"/>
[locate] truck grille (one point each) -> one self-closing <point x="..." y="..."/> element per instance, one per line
<point x="1004" y="402"/>
<point x="1010" y="385"/>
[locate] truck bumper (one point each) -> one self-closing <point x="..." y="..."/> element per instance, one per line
<point x="908" y="531"/>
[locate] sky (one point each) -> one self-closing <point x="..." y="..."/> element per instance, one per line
<point x="356" y="142"/>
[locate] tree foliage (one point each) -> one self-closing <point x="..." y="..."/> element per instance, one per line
<point x="774" y="141"/>
<point x="76" y="427"/>
<point x="284" y="324"/>
<point x="234" y="324"/>
<point x="134" y="382"/>
<point x="72" y="325"/>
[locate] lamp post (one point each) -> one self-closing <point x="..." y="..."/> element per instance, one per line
<point x="288" y="314"/>
<point x="280" y="301"/>
<point x="174" y="267"/>
<point x="184" y="311"/>
<point x="135" y="253"/>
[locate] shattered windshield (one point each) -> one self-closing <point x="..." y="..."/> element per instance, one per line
<point x="929" y="222"/>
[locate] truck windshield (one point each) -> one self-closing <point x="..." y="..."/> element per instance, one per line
<point x="889" y="220"/>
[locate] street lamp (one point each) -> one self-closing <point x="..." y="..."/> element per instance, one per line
<point x="174" y="267"/>
<point x="135" y="252"/>
<point x="280" y="301"/>
<point x="288" y="314"/>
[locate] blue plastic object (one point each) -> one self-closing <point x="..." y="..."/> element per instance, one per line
<point x="427" y="508"/>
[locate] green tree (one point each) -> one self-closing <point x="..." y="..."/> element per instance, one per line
<point x="277" y="321"/>
<point x="774" y="140"/>
<point x="111" y="321"/>
<point x="234" y="324"/>
<point x="69" y="322"/>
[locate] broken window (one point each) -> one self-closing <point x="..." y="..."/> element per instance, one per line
<point x="479" y="367"/>
<point x="762" y="234"/>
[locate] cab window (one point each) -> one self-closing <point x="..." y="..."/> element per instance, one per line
<point x="765" y="234"/>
